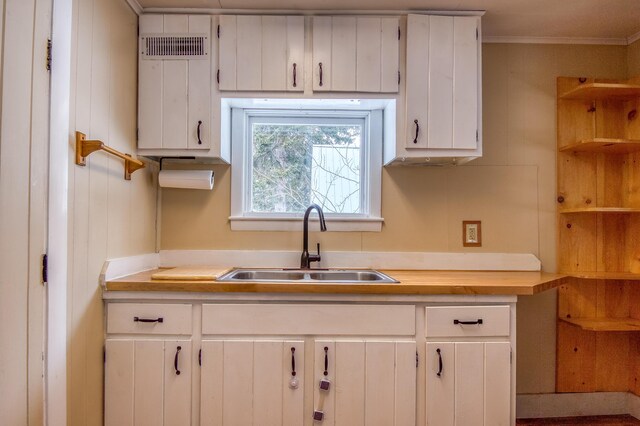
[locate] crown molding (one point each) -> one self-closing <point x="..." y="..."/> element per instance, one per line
<point x="555" y="40"/>
<point x="209" y="11"/>
<point x="135" y="6"/>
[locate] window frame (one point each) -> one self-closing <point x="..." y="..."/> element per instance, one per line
<point x="369" y="219"/>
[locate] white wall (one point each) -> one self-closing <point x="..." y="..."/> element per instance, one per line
<point x="109" y="217"/>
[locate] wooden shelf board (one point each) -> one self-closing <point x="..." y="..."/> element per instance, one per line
<point x="601" y="210"/>
<point x="604" y="145"/>
<point x="605" y="324"/>
<point x="596" y="275"/>
<point x="594" y="91"/>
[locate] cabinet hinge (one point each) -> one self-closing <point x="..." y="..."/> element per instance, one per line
<point x="48" y="59"/>
<point x="137" y="135"/>
<point x="138" y="30"/>
<point x="399" y="32"/>
<point x="104" y="354"/>
<point x="417" y="359"/>
<point x="218" y="76"/>
<point x="477" y="136"/>
<point x="398" y="77"/>
<point x="45" y="269"/>
<point x="511" y="356"/>
<point x="200" y="357"/>
<point x="477" y="33"/>
<point x="218" y="31"/>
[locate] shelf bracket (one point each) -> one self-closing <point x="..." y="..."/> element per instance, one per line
<point x="85" y="147"/>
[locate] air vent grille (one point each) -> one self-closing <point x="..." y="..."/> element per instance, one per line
<point x="174" y="46"/>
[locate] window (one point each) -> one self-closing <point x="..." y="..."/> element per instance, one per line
<point x="284" y="160"/>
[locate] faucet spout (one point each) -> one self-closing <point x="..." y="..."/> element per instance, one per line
<point x="306" y="258"/>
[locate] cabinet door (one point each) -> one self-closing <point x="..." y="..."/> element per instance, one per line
<point x="371" y="382"/>
<point x="142" y="384"/>
<point x="251" y="382"/>
<point x="355" y="54"/>
<point x="261" y="53"/>
<point x="442" y="82"/>
<point x="174" y="99"/>
<point x="468" y="383"/>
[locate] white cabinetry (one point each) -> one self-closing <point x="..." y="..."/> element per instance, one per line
<point x="252" y="382"/>
<point x="261" y="53"/>
<point x="174" y="90"/>
<point x="148" y="378"/>
<point x="443" y="102"/>
<point x="469" y="375"/>
<point x="359" y="362"/>
<point x="356" y="54"/>
<point x="371" y="382"/>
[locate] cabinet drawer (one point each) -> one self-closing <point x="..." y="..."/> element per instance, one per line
<point x="282" y="319"/>
<point x="449" y="321"/>
<point x="146" y="318"/>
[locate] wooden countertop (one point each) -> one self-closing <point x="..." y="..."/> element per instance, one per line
<point x="411" y="282"/>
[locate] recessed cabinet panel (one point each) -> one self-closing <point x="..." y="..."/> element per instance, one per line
<point x="174" y="99"/>
<point x="441" y="373"/>
<point x="355" y="54"/>
<point x="442" y="86"/>
<point x="367" y="382"/>
<point x="261" y="53"/>
<point x="252" y="382"/>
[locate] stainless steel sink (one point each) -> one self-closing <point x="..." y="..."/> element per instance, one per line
<point x="306" y="276"/>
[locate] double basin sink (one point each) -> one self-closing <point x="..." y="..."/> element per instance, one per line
<point x="361" y="276"/>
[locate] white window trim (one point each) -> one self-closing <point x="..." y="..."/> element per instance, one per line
<point x="241" y="220"/>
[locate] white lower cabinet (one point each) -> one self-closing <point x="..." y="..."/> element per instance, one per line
<point x="364" y="382"/>
<point x="147" y="382"/>
<point x="468" y="383"/>
<point x="309" y="364"/>
<point x="252" y="382"/>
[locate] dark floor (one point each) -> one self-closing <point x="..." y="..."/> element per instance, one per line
<point x="576" y="421"/>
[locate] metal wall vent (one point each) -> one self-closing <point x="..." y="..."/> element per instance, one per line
<point x="174" y="46"/>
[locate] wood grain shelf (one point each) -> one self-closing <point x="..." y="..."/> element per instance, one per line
<point x="598" y="275"/>
<point x="596" y="91"/>
<point x="613" y="210"/>
<point x="605" y="324"/>
<point x="604" y="145"/>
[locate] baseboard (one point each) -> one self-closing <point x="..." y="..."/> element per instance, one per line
<point x="530" y="406"/>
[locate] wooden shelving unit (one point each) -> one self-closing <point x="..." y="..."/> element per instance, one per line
<point x="598" y="235"/>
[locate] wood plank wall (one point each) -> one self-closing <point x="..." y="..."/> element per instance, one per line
<point x="24" y="86"/>
<point x="109" y="217"/>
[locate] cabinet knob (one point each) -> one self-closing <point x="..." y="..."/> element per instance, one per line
<point x="560" y="199"/>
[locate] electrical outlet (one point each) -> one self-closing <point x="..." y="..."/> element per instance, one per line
<point x="472" y="233"/>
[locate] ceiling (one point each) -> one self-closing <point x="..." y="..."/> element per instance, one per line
<point x="614" y="21"/>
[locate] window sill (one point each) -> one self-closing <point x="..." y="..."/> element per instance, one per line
<point x="334" y="224"/>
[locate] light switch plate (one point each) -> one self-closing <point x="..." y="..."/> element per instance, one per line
<point x="471" y="233"/>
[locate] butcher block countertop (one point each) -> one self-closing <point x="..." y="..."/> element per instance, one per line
<point x="411" y="282"/>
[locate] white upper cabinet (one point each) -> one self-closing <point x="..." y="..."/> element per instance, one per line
<point x="261" y="53"/>
<point x="443" y="103"/>
<point x="356" y="54"/>
<point x="174" y="90"/>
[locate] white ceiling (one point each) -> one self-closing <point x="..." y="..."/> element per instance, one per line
<point x="617" y="20"/>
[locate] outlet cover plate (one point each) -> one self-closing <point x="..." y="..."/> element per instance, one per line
<point x="471" y="233"/>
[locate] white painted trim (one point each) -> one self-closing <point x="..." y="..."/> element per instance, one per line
<point x="575" y="404"/>
<point x="342" y="259"/>
<point x="123" y="266"/>
<point x="135" y="6"/>
<point x="59" y="137"/>
<point x="212" y="11"/>
<point x="365" y="224"/>
<point x="633" y="38"/>
<point x="555" y="40"/>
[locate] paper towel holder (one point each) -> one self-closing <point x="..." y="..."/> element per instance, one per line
<point x="86" y="147"/>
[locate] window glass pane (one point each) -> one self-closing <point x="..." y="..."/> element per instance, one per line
<point x="294" y="165"/>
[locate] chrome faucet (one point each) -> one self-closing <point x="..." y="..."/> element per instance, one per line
<point x="306" y="258"/>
